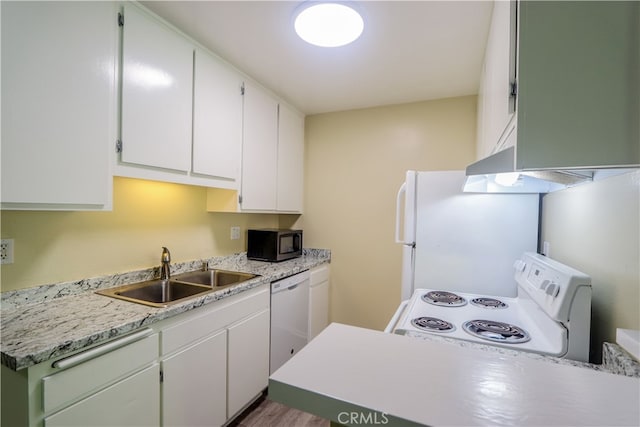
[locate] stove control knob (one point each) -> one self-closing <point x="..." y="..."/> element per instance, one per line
<point x="544" y="284"/>
<point x="519" y="266"/>
<point x="553" y="290"/>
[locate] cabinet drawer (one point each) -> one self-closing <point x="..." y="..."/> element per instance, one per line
<point x="87" y="377"/>
<point x="319" y="275"/>
<point x="134" y="401"/>
<point x="198" y="324"/>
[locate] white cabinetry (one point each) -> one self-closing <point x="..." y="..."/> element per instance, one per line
<point x="157" y="73"/>
<point x="58" y="104"/>
<point x="272" y="159"/>
<point x="495" y="107"/>
<point x="248" y="360"/>
<point x="181" y="107"/>
<point x="195" y="384"/>
<point x="115" y="384"/>
<point x="217" y="119"/>
<point x="259" y="150"/>
<point x="318" y="300"/>
<point x="578" y="71"/>
<point x="215" y="360"/>
<point x="198" y="368"/>
<point x="133" y="401"/>
<point x="290" y="180"/>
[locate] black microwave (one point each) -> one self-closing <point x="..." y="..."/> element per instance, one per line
<point x="274" y="245"/>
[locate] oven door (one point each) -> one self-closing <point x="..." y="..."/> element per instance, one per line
<point x="396" y="317"/>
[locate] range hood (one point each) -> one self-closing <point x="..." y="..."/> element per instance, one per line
<point x="497" y="174"/>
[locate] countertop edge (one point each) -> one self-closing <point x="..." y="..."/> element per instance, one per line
<point x="25" y="327"/>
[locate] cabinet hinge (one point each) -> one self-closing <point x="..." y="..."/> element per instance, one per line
<point x="161" y="376"/>
<point x="513" y="89"/>
<point x="120" y="20"/>
<point x="118" y="146"/>
<point x="242" y="89"/>
<point x="240" y="199"/>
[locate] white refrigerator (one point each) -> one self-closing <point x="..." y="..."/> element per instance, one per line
<point x="464" y="242"/>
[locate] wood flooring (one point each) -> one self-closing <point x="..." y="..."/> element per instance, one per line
<point x="266" y="413"/>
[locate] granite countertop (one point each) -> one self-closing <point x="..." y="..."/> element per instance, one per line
<point x="381" y="378"/>
<point x="45" y="322"/>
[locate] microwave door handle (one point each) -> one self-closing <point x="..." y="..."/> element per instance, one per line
<point x="402" y="191"/>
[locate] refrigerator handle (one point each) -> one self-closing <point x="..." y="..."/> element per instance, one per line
<point x="401" y="192"/>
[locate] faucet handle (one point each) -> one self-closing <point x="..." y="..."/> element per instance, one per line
<point x="166" y="255"/>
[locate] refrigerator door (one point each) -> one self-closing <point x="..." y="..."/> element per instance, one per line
<point x="468" y="242"/>
<point x="406" y="230"/>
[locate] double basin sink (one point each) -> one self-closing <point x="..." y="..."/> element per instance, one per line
<point x="162" y="293"/>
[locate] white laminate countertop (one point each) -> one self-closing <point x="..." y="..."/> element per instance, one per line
<point x="350" y="375"/>
<point x="46" y="322"/>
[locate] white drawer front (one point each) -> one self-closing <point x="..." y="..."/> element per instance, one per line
<point x="319" y="275"/>
<point x="131" y="402"/>
<point x="220" y="315"/>
<point x="78" y="381"/>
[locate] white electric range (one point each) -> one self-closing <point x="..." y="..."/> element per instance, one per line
<point x="550" y="315"/>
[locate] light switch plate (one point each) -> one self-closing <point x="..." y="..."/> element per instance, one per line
<point x="235" y="233"/>
<point x="6" y="251"/>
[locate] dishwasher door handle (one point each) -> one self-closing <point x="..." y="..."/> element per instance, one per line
<point x="292" y="287"/>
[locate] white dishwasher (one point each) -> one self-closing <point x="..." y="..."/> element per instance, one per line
<point x="289" y="318"/>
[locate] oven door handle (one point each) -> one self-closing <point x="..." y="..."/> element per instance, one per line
<point x="394" y="320"/>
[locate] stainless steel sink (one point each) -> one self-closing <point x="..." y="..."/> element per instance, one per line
<point x="162" y="293"/>
<point x="214" y="278"/>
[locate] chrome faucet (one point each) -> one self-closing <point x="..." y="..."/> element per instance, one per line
<point x="165" y="259"/>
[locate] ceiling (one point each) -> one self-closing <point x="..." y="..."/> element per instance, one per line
<point x="409" y="51"/>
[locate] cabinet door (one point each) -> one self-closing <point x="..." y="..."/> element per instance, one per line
<point x="259" y="150"/>
<point x="496" y="106"/>
<point x="217" y="119"/>
<point x="58" y="103"/>
<point x="318" y="301"/>
<point x="248" y="360"/>
<point x="290" y="160"/>
<point x="131" y="402"/>
<point x="579" y="74"/>
<point x="157" y="74"/>
<point x="195" y="384"/>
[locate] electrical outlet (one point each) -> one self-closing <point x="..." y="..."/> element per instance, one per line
<point x="235" y="233"/>
<point x="6" y="251"/>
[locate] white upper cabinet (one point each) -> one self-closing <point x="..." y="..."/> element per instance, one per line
<point x="290" y="160"/>
<point x="259" y="150"/>
<point x="217" y="119"/>
<point x="272" y="155"/>
<point x="578" y="84"/>
<point x="495" y="103"/>
<point x="58" y="104"/>
<point x="157" y="86"/>
<point x="577" y="69"/>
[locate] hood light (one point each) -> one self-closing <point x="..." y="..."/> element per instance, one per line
<point x="328" y="24"/>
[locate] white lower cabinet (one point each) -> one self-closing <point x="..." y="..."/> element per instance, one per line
<point x="130" y="402"/>
<point x="248" y="360"/>
<point x="198" y="368"/>
<point x="195" y="384"/>
<point x="318" y="300"/>
<point x="215" y="359"/>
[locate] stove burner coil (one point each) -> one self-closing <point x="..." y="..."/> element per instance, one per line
<point x="443" y="298"/>
<point x="488" y="303"/>
<point x="432" y="324"/>
<point x="496" y="331"/>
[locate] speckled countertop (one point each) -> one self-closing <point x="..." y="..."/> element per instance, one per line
<point x="45" y="322"/>
<point x="615" y="359"/>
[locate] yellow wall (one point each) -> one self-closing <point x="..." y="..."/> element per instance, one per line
<point x="53" y="247"/>
<point x="355" y="163"/>
<point x="596" y="229"/>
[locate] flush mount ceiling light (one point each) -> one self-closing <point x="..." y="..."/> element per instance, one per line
<point x="328" y="24"/>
